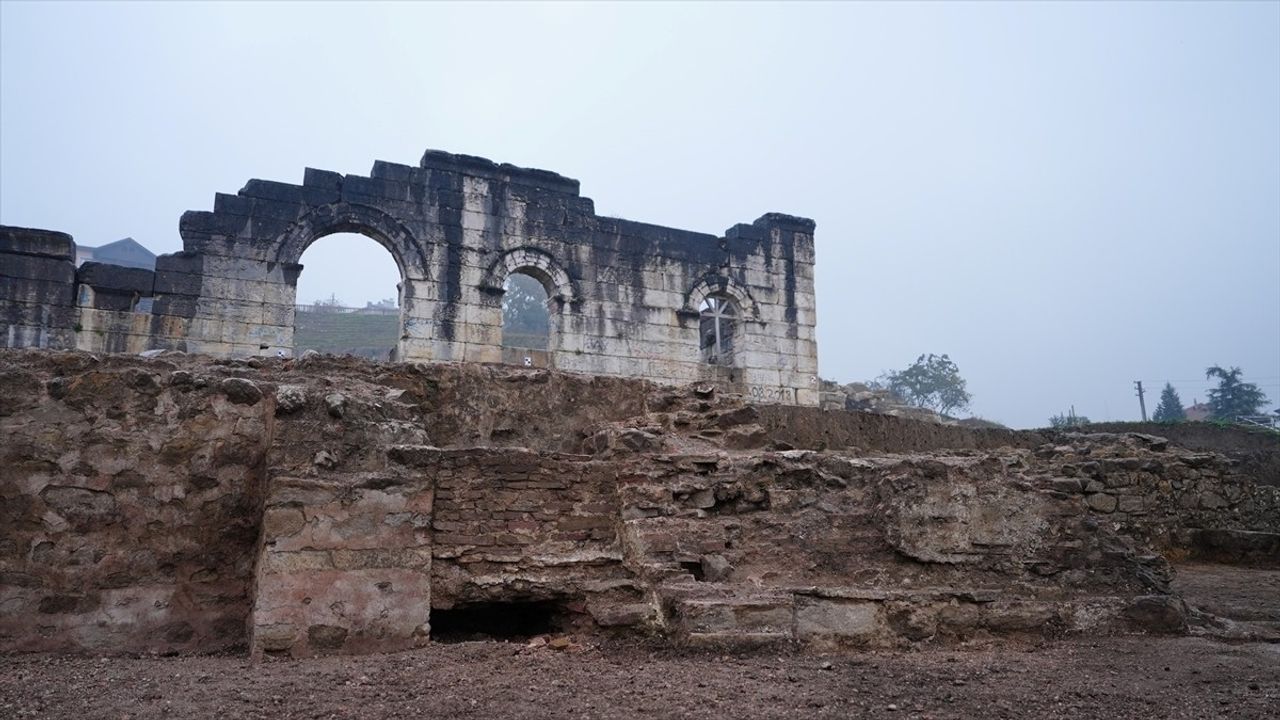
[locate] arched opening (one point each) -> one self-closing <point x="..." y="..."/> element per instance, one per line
<point x="526" y="317"/>
<point x="718" y="326"/>
<point x="348" y="299"/>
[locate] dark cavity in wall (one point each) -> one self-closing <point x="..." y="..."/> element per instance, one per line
<point x="515" y="620"/>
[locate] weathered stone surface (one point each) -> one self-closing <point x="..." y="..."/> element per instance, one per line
<point x="241" y="391"/>
<point x="336" y="404"/>
<point x="626" y="298"/>
<point x="290" y="398"/>
<point x="30" y="241"/>
<point x="1158" y="613"/>
<point x="143" y="510"/>
<point x="36" y="267"/>
<point x="127" y="518"/>
<point x="1102" y="503"/>
<point x="838" y="621"/>
<point x="116" y="278"/>
<point x="715" y="568"/>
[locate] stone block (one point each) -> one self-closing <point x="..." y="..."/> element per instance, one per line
<point x="838" y="621"/>
<point x="36" y="336"/>
<point x="342" y="611"/>
<point x="38" y="314"/>
<point x="623" y="615"/>
<point x="1157" y="614"/>
<point x="188" y="263"/>
<point x="110" y="301"/>
<point x="116" y="278"/>
<point x="176" y="283"/>
<point x="1131" y="504"/>
<point x="32" y="241"/>
<point x="285" y="192"/>
<point x="327" y="179"/>
<point x="36" y="291"/>
<point x="36" y="267"/>
<point x="183" y="306"/>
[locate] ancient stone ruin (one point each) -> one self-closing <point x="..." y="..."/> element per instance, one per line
<point x="327" y="505"/>
<point x="627" y="298"/>
<point x="663" y="469"/>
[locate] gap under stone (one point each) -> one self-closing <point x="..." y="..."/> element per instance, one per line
<point x="514" y="620"/>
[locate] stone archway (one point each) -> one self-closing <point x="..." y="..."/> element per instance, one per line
<point x="561" y="296"/>
<point x="410" y="254"/>
<point x="536" y="263"/>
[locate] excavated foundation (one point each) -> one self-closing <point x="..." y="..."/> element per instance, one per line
<point x="181" y="504"/>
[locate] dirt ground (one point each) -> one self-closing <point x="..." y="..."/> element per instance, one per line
<point x="1115" y="677"/>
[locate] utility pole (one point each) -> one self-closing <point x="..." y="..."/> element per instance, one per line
<point x="1142" y="402"/>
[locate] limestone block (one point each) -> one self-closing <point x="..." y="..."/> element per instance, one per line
<point x="36" y="267"/>
<point x="278" y="315"/>
<point x="496" y="354"/>
<point x="38" y="314"/>
<point x="479" y="334"/>
<point x="829" y="621"/>
<point x="341" y="611"/>
<point x="117" y="278"/>
<point x="36" y="291"/>
<point x="31" y="241"/>
<point x="19" y="336"/>
<point x="420" y="290"/>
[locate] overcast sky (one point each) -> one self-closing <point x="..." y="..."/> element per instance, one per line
<point x="1063" y="197"/>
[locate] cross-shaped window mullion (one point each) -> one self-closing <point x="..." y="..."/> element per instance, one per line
<point x="720" y="311"/>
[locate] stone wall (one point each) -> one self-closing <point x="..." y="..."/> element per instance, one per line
<point x="129" y="506"/>
<point x="343" y="566"/>
<point x="1147" y="487"/>
<point x="338" y="506"/>
<point x="831" y="549"/>
<point x="625" y="296"/>
<point x="37" y="289"/>
<point x="516" y="524"/>
<point x="1256" y="449"/>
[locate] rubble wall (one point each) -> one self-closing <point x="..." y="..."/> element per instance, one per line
<point x="180" y="504"/>
<point x="1181" y="502"/>
<point x="128" y="508"/>
<point x="1257" y="450"/>
<point x="826" y="548"/>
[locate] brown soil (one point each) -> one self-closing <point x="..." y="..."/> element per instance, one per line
<point x="1116" y="677"/>
<point x="1130" y="677"/>
<point x="1244" y="595"/>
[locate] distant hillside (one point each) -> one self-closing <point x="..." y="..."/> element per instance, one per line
<point x="370" y="336"/>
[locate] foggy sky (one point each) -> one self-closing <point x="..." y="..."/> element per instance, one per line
<point x="1063" y="197"/>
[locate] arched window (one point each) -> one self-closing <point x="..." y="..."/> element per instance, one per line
<point x="718" y="325"/>
<point x="526" y="320"/>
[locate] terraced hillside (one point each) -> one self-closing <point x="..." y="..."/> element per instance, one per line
<point x="364" y="335"/>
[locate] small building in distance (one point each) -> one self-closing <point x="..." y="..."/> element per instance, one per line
<point x="1198" y="412"/>
<point x="127" y="252"/>
<point x="382" y="307"/>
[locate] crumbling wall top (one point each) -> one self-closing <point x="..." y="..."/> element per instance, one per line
<point x="505" y="172"/>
